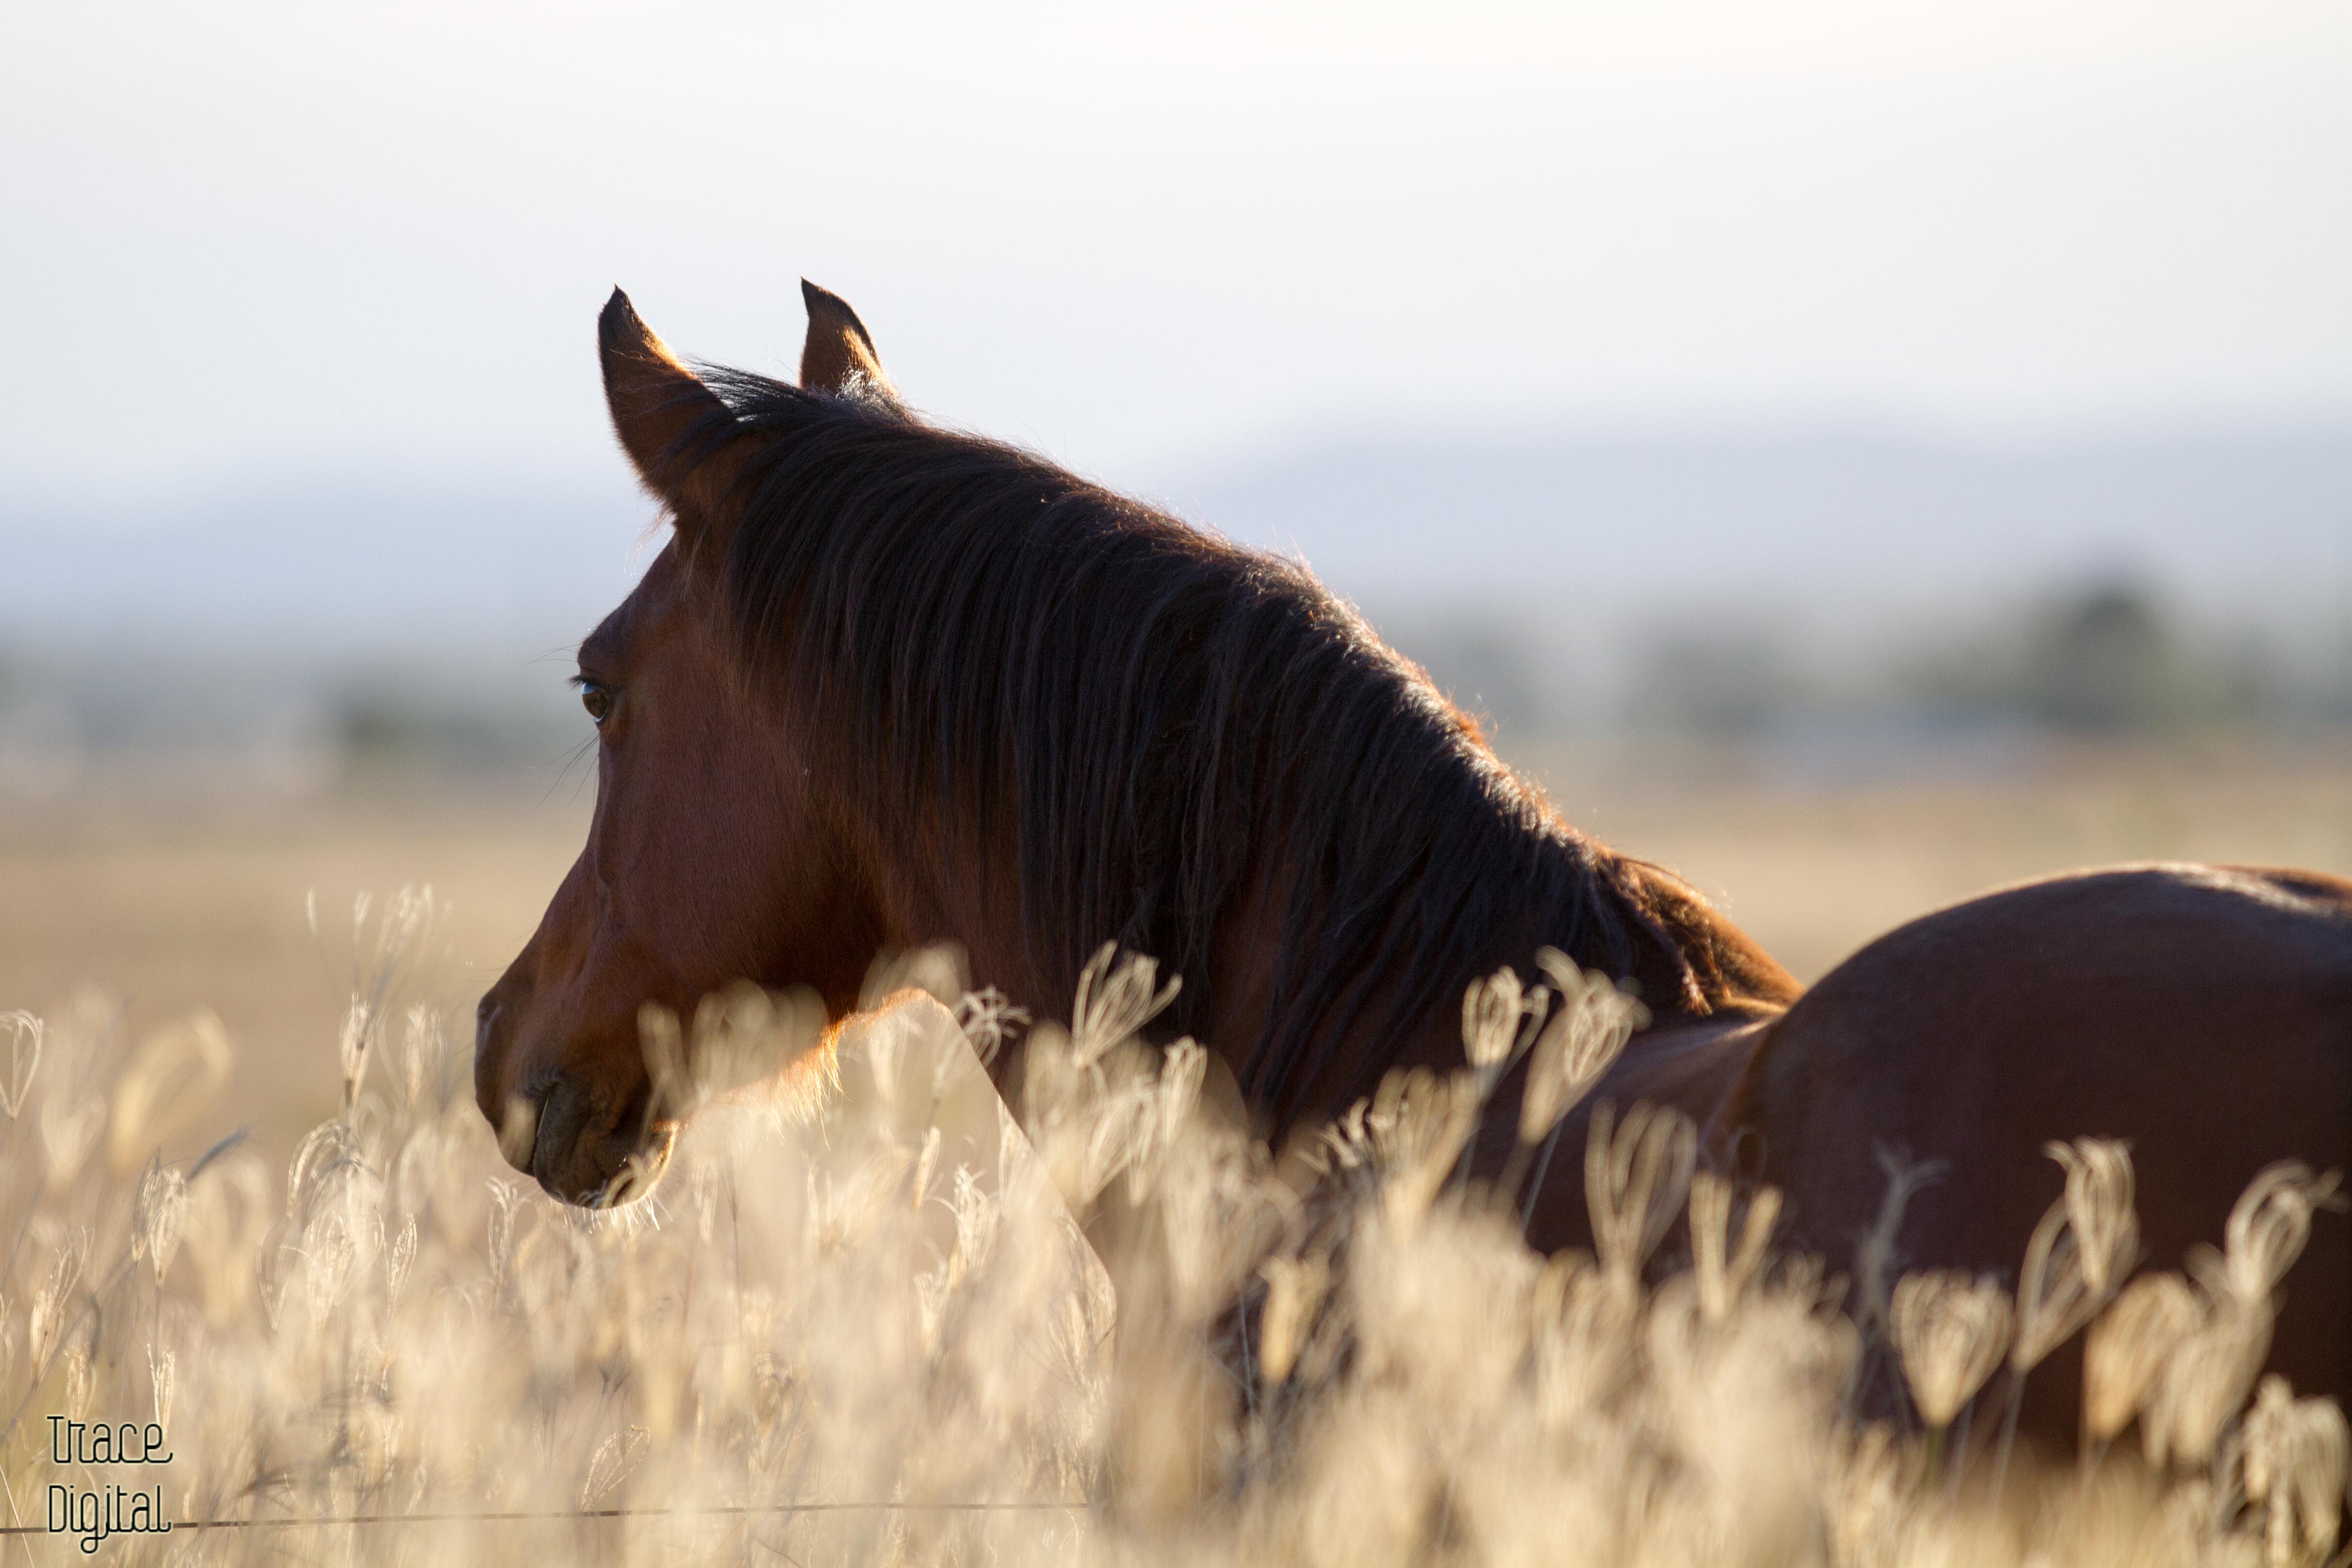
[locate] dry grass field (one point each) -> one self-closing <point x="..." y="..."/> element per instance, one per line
<point x="1815" y="868"/>
<point x="171" y="906"/>
<point x="859" y="1325"/>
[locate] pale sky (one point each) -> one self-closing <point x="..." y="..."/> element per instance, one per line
<point x="244" y="239"/>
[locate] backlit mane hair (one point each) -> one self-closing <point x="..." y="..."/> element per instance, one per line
<point x="1159" y="718"/>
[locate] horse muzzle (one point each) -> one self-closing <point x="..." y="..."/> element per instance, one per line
<point x="582" y="1142"/>
<point x="587" y="1151"/>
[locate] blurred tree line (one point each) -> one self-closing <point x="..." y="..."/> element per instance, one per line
<point x="2108" y="658"/>
<point x="2106" y="661"/>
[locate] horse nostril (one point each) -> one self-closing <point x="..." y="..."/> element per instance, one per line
<point x="553" y="1150"/>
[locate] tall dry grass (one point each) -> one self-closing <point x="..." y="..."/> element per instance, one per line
<point x="858" y="1322"/>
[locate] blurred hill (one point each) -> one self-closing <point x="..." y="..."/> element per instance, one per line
<point x="1812" y="590"/>
<point x="332" y="564"/>
<point x="1825" y="588"/>
<point x="1700" y="519"/>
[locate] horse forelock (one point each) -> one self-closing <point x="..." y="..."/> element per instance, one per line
<point x="1166" y="724"/>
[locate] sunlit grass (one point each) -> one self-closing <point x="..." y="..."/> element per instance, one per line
<point x="858" y="1322"/>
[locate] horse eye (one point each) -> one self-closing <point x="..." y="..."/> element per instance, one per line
<point x="597" y="699"/>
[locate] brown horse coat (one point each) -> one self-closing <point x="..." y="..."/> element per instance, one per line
<point x="890" y="686"/>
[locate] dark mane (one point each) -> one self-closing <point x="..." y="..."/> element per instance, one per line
<point x="994" y="644"/>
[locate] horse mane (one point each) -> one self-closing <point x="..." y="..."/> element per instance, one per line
<point x="1165" y="723"/>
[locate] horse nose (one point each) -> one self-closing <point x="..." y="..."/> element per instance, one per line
<point x="510" y="1116"/>
<point x="486" y="1057"/>
<point x="587" y="1149"/>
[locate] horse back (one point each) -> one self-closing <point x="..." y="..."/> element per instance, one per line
<point x="2204" y="1013"/>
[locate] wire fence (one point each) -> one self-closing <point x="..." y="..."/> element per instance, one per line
<point x="716" y="1511"/>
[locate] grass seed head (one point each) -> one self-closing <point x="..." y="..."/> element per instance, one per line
<point x="70" y="1130"/>
<point x="26" y="1034"/>
<point x="1635" y="1176"/>
<point x="2206" y="1380"/>
<point x="1725" y="1272"/>
<point x="352" y="1048"/>
<point x="1498" y="1017"/>
<point x="422" y="1043"/>
<point x="169" y="1085"/>
<point x="1868" y="1496"/>
<point x="2099" y="1210"/>
<point x="1115" y="999"/>
<point x="1294" y="1293"/>
<point x="2053" y="1298"/>
<point x="2295" y="1459"/>
<point x="2080" y="1251"/>
<point x="163" y="1371"/>
<point x="1419" y="1124"/>
<point x="2266" y="1231"/>
<point x="81" y="1381"/>
<point x="2128" y="1347"/>
<point x="1575" y="1050"/>
<point x="157" y="1215"/>
<point x="1951" y="1332"/>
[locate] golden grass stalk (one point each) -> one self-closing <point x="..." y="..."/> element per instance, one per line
<point x="1634" y="1179"/>
<point x="1950" y="1331"/>
<point x="421" y="1045"/>
<point x="1419" y="1124"/>
<point x="1115" y="999"/>
<point x="157" y="1215"/>
<point x="1584" y="1321"/>
<point x="2099" y="1211"/>
<point x="2053" y="1295"/>
<point x="2296" y="1457"/>
<point x="740" y="1036"/>
<point x="2266" y="1231"/>
<point x="2128" y="1346"/>
<point x="884" y="1313"/>
<point x="2079" y="1252"/>
<point x="163" y="1373"/>
<point x="2205" y="1382"/>
<point x="1725" y="1272"/>
<point x="26" y="1034"/>
<point x="169" y="1085"/>
<point x="1294" y="1288"/>
<point x="1492" y="1011"/>
<point x="69" y="1132"/>
<point x="351" y="1048"/>
<point x="1576" y="1048"/>
<point x="2217" y="1362"/>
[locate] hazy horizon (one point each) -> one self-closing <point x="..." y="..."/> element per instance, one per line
<point x="372" y="558"/>
<point x="1828" y="323"/>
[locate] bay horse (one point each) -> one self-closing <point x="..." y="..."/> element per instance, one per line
<point x="889" y="685"/>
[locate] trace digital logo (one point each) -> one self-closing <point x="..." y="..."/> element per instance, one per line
<point x="94" y="1515"/>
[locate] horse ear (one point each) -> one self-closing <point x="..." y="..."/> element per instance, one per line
<point x="838" y="347"/>
<point x="655" y="402"/>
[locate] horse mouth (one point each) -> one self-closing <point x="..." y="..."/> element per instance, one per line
<point x="639" y="1174"/>
<point x="590" y="1160"/>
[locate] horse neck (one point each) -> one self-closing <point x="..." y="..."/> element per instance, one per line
<point x="1687" y="963"/>
<point x="1682" y="958"/>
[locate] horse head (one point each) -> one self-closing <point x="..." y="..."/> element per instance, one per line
<point x="888" y="686"/>
<point x="711" y="857"/>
